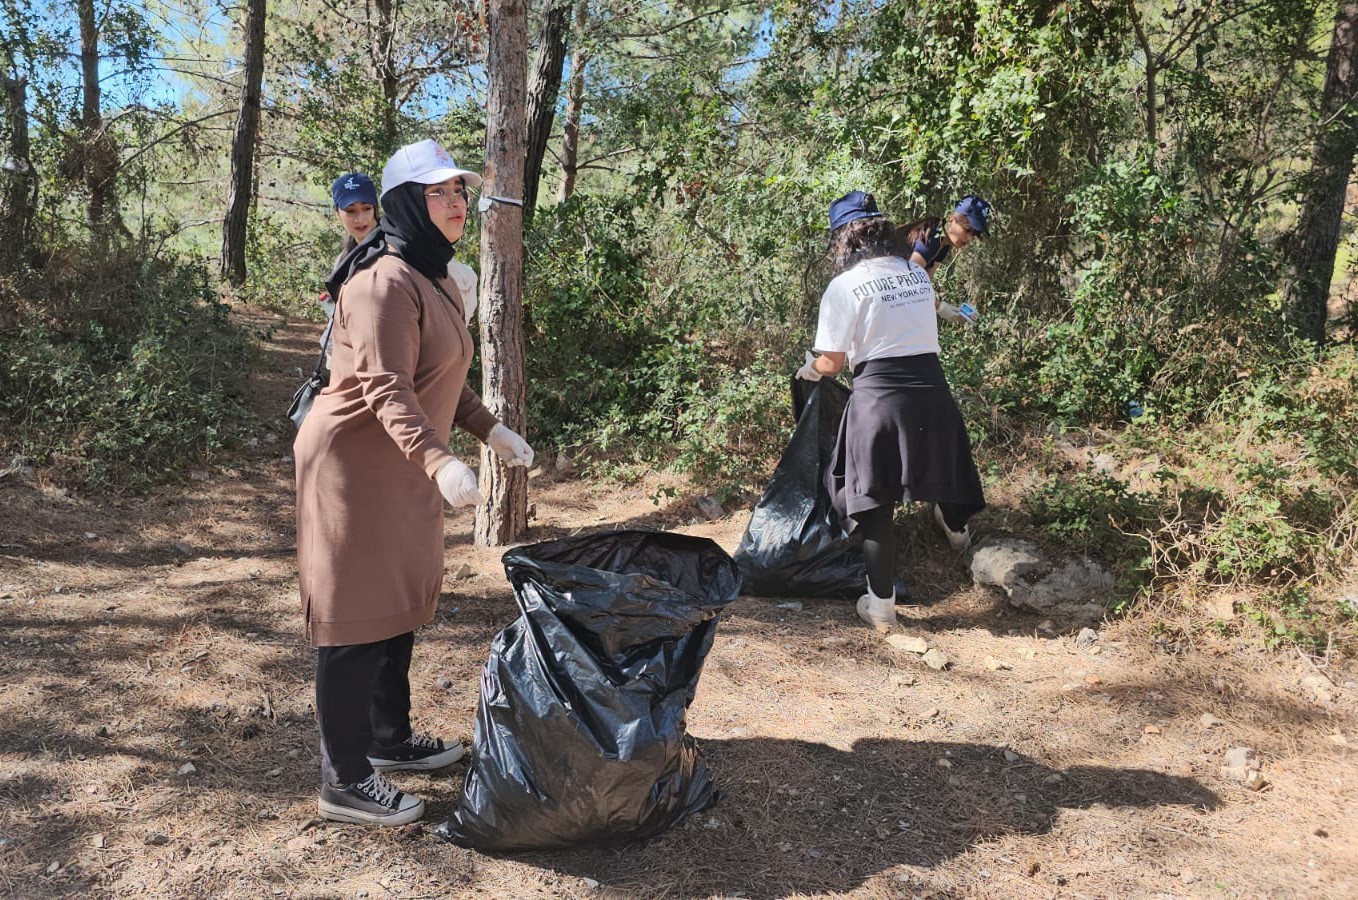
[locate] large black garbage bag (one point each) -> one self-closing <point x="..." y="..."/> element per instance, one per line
<point x="580" y="736"/>
<point x="795" y="544"/>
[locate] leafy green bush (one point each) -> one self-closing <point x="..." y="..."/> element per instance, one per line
<point x="288" y="260"/>
<point x="147" y="386"/>
<point x="586" y="335"/>
<point x="1252" y="536"/>
<point x="1092" y="511"/>
<point x="613" y="367"/>
<point x="1290" y="616"/>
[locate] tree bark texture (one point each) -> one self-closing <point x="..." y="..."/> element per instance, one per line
<point x="504" y="515"/>
<point x="1311" y="254"/>
<point x="17" y="176"/>
<point x="384" y="62"/>
<point x="543" y="89"/>
<point x="575" y="104"/>
<point x="98" y="161"/>
<point x="234" y="227"/>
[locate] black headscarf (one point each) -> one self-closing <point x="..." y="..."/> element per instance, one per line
<point x="405" y="230"/>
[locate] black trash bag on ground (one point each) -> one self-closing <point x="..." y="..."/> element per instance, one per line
<point x="580" y="736"/>
<point x="795" y="545"/>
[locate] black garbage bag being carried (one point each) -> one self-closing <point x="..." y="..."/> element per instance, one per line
<point x="795" y="545"/>
<point x="580" y="736"/>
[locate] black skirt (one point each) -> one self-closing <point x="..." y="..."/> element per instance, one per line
<point x="901" y="438"/>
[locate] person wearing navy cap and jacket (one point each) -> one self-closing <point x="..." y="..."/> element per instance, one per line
<point x="355" y="201"/>
<point x="931" y="241"/>
<point x="902" y="436"/>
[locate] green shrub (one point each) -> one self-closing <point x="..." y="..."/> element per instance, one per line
<point x="147" y="387"/>
<point x="586" y="334"/>
<point x="1252" y="536"/>
<point x="1094" y="512"/>
<point x="1290" y="616"/>
<point x="288" y="259"/>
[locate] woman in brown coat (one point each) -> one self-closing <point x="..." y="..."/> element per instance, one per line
<point x="373" y="471"/>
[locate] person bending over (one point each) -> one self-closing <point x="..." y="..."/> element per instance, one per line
<point x="901" y="436"/>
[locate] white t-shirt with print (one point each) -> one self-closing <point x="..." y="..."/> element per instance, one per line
<point x="464" y="276"/>
<point x="880" y="308"/>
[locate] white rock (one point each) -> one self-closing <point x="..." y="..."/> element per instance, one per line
<point x="794" y="605"/>
<point x="936" y="659"/>
<point x="187" y="769"/>
<point x="1087" y="637"/>
<point x="908" y="643"/>
<point x="1210" y="721"/>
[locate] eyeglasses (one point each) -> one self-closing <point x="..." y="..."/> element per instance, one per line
<point x="446" y="197"/>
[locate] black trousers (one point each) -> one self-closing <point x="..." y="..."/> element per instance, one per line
<point x="362" y="702"/>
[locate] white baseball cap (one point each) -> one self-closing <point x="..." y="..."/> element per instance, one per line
<point x="424" y="162"/>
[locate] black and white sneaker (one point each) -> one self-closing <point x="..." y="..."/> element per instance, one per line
<point x="419" y="753"/>
<point x="374" y="801"/>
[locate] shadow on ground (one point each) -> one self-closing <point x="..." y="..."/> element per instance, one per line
<point x="802" y="817"/>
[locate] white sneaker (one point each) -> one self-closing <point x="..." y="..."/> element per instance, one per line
<point x="958" y="540"/>
<point x="879" y="612"/>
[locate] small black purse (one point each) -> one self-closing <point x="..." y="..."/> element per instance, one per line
<point x="306" y="394"/>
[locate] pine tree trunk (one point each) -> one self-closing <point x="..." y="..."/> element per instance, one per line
<point x="1310" y="257"/>
<point x="575" y="103"/>
<point x="504" y="515"/>
<point x="234" y="228"/>
<point x="385" y="64"/>
<point x="17" y="175"/>
<point x="99" y="156"/>
<point x="543" y="88"/>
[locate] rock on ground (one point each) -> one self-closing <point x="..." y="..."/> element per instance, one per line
<point x="1077" y="591"/>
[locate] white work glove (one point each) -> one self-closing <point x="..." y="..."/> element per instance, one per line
<point x="965" y="313"/>
<point x="512" y="449"/>
<point x="457" y="483"/>
<point x="807" y="372"/>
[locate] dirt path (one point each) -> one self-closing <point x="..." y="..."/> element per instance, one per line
<point x="156" y="734"/>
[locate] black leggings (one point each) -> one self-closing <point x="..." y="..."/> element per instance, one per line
<point x="879" y="548"/>
<point x="879" y="541"/>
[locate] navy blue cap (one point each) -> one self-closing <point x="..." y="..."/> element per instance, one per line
<point x="352" y="188"/>
<point x="977" y="212"/>
<point x="851" y="207"/>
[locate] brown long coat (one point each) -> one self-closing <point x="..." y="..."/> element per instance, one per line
<point x="369" y="515"/>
